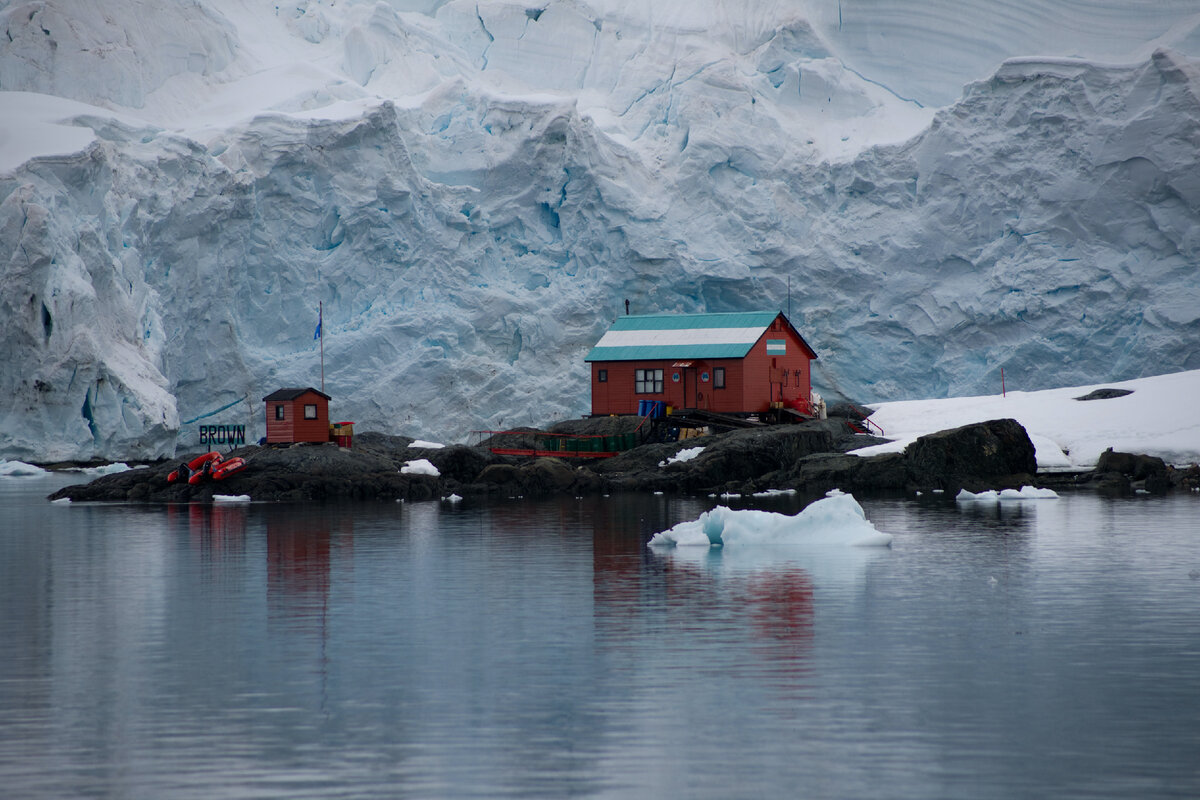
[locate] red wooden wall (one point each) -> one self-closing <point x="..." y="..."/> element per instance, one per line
<point x="751" y="383"/>
<point x="294" y="427"/>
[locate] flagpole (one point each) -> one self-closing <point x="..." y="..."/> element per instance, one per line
<point x="321" y="328"/>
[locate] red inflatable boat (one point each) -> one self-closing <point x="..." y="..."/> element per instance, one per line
<point x="210" y="465"/>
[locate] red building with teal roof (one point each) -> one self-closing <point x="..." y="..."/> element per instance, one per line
<point x="733" y="363"/>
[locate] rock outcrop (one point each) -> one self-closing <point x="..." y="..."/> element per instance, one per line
<point x="808" y="457"/>
<point x="996" y="454"/>
<point x="1119" y="473"/>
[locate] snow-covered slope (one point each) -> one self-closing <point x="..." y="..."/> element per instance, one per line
<point x="1157" y="416"/>
<point x="473" y="189"/>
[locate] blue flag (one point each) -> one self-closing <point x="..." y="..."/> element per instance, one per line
<point x="317" y="332"/>
<point x="320" y="316"/>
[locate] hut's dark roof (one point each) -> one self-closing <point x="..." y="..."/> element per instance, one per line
<point x="292" y="394"/>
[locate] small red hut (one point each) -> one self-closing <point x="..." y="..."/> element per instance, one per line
<point x="297" y="415"/>
<point x="739" y="363"/>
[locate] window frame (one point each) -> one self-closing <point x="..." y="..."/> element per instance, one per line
<point x="313" y="408"/>
<point x="718" y="377"/>
<point x="648" y="380"/>
<point x="280" y="412"/>
<point x="601" y="376"/>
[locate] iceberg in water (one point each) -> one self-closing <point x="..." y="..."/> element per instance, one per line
<point x="992" y="496"/>
<point x="19" y="469"/>
<point x="835" y="520"/>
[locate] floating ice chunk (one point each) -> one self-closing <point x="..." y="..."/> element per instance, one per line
<point x="422" y="466"/>
<point x="62" y="501"/>
<point x="836" y="520"/>
<point x="682" y="456"/>
<point x="19" y="469"/>
<point x="1028" y="493"/>
<point x="453" y="498"/>
<point x="992" y="496"/>
<point x="231" y="498"/>
<point x="108" y="469"/>
<point x="424" y="445"/>
<point x="774" y="493"/>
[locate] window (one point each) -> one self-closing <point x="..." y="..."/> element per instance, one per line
<point x="279" y="412"/>
<point x="310" y="411"/>
<point x="718" y="377"/>
<point x="648" y="381"/>
<point x="602" y="376"/>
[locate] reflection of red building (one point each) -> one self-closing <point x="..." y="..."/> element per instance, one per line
<point x="780" y="604"/>
<point x="299" y="552"/>
<point x="636" y="590"/>
<point x="213" y="529"/>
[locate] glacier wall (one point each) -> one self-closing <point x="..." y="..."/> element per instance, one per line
<point x="471" y="237"/>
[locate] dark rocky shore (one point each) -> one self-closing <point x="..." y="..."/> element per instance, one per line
<point x="810" y="457"/>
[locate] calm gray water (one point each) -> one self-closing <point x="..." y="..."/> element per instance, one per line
<point x="1047" y="649"/>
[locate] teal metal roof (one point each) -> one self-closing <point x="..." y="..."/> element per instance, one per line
<point x="650" y="337"/>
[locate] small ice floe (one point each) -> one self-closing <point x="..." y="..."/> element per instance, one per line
<point x="422" y="466"/>
<point x="421" y="444"/>
<point x="836" y="520"/>
<point x="774" y="493"/>
<point x="231" y="498"/>
<point x="453" y="498"/>
<point x="729" y="495"/>
<point x="682" y="456"/>
<point x="62" y="501"/>
<point x="19" y="469"/>
<point x="992" y="496"/>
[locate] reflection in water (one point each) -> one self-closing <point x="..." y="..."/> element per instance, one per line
<point x="755" y="609"/>
<point x="215" y="531"/>
<point x="542" y="650"/>
<point x="299" y="559"/>
<point x="780" y="606"/>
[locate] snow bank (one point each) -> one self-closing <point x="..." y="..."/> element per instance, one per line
<point x="835" y="520"/>
<point x="421" y="466"/>
<point x="1160" y="417"/>
<point x="421" y="444"/>
<point x="682" y="456"/>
